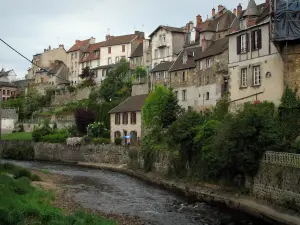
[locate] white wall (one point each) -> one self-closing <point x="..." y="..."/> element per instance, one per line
<point x="116" y="50"/>
<point x="8" y="124"/>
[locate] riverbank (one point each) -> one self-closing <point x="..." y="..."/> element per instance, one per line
<point x="210" y="194"/>
<point x="63" y="200"/>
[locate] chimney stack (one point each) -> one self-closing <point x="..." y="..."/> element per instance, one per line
<point x="239" y="10"/>
<point x="213" y="13"/>
<point x="219" y="8"/>
<point x="204" y="44"/>
<point x="199" y="20"/>
<point x="234" y="11"/>
<point x="107" y="37"/>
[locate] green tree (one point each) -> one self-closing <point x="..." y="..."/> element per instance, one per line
<point x="117" y="83"/>
<point x="161" y="108"/>
<point x="33" y="101"/>
<point x="88" y="77"/>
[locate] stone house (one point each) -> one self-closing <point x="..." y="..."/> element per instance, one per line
<point x="74" y="56"/>
<point x="8" y="76"/>
<point x="136" y="57"/>
<point x="166" y="43"/>
<point x="159" y="75"/>
<point x="147" y="54"/>
<point x="255" y="66"/>
<point x="126" y="119"/>
<point x="8" y="90"/>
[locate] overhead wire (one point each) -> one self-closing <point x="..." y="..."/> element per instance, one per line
<point x="30" y="60"/>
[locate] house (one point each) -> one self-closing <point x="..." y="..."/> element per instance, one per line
<point x="147" y="56"/>
<point x="44" y="60"/>
<point x="91" y="58"/>
<point x="159" y="75"/>
<point x="58" y="73"/>
<point x="23" y="86"/>
<point x="255" y="66"/>
<point x="136" y="58"/>
<point x="8" y="76"/>
<point x="74" y="56"/>
<point x="8" y="90"/>
<point x="166" y="43"/>
<point x="126" y="119"/>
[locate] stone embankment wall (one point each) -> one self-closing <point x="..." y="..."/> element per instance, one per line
<point x="65" y="98"/>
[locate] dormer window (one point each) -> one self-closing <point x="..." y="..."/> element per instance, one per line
<point x="184" y="59"/>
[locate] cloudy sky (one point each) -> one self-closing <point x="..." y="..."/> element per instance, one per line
<point x="32" y="25"/>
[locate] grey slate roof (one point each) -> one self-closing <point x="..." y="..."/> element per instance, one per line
<point x="221" y="22"/>
<point x="163" y="66"/>
<point x="192" y="54"/>
<point x="217" y="47"/>
<point x="168" y="28"/>
<point x="132" y="104"/>
<point x="138" y="51"/>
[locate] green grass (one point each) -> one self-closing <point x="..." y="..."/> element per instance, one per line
<point x="45" y="171"/>
<point x="21" y="203"/>
<point x="21" y="136"/>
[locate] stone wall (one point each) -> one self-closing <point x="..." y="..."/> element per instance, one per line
<point x="77" y="95"/>
<point x="278" y="178"/>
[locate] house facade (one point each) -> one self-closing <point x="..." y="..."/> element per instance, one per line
<point x="255" y="66"/>
<point x="166" y="44"/>
<point x="126" y="119"/>
<point x="74" y="56"/>
<point x="8" y="90"/>
<point x="159" y="75"/>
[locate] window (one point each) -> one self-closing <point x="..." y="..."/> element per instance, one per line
<point x="156" y="53"/>
<point x="200" y="65"/>
<point x="109" y="61"/>
<point x="183" y="76"/>
<point x="133" y="118"/>
<point x="75" y="55"/>
<point x="117" y="134"/>
<point x="117" y="118"/>
<point x="7" y="92"/>
<point x="125" y="118"/>
<point x="3" y="92"/>
<point x="109" y="50"/>
<point x="183" y="95"/>
<point x="157" y="75"/>
<point x="71" y="56"/>
<point x="256" y="40"/>
<point x="164" y="38"/>
<point x="176" y="94"/>
<point x="117" y="59"/>
<point x="244" y="77"/>
<point x="256" y="75"/>
<point x="123" y="48"/>
<point x="207" y="95"/>
<point x="208" y="63"/>
<point x="242" y="44"/>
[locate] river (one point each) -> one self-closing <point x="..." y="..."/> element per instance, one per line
<point x="118" y="193"/>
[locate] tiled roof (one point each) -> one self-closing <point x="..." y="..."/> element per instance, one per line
<point x="163" y="66"/>
<point x="221" y="22"/>
<point x="79" y="44"/>
<point x="90" y="50"/>
<point x="7" y="84"/>
<point x="168" y="28"/>
<point x="217" y="47"/>
<point x="138" y="51"/>
<point x="192" y="53"/>
<point x="119" y="40"/>
<point x="132" y="104"/>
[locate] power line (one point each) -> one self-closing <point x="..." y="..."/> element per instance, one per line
<point x="31" y="60"/>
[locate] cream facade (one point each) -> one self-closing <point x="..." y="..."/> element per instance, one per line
<point x="256" y="72"/>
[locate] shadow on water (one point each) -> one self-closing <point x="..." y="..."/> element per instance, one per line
<point x="118" y="193"/>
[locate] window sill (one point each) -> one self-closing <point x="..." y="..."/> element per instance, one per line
<point x="243" y="87"/>
<point x="256" y="85"/>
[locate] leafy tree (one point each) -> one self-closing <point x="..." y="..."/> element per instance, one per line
<point x="83" y="117"/>
<point x="182" y="133"/>
<point x="17" y="103"/>
<point x="117" y="83"/>
<point x="221" y="109"/>
<point x="33" y="101"/>
<point x="161" y="108"/>
<point x="88" y="77"/>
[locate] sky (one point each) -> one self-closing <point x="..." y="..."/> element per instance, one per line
<point x="31" y="26"/>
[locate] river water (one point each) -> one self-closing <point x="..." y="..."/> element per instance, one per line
<point x="118" y="193"/>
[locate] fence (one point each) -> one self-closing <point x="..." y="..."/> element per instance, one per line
<point x="282" y="158"/>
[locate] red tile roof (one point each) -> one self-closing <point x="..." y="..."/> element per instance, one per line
<point x="119" y="40"/>
<point x="91" y="50"/>
<point x="78" y="45"/>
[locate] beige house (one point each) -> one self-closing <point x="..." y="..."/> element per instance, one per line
<point x="126" y="119"/>
<point x="255" y="66"/>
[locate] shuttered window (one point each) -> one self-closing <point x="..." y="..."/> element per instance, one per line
<point x="256" y="40"/>
<point x="242" y="43"/>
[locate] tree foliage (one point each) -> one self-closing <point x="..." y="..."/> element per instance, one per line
<point x="83" y="117"/>
<point x="161" y="108"/>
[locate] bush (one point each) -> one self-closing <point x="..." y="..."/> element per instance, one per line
<point x="96" y="130"/>
<point x="83" y="117"/>
<point x="71" y="89"/>
<point x="72" y="131"/>
<point x="100" y="141"/>
<point x="118" y="141"/>
<point x="18" y="152"/>
<point x="41" y="131"/>
<point x="59" y="137"/>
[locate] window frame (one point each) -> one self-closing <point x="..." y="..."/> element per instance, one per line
<point x="133" y="118"/>
<point x="123" y="48"/>
<point x="244" y="77"/>
<point x="109" y="50"/>
<point x="256" y="77"/>
<point x="208" y="63"/>
<point x="117" y="119"/>
<point x="243" y="43"/>
<point x="184" y="95"/>
<point x="207" y="96"/>
<point x="125" y="118"/>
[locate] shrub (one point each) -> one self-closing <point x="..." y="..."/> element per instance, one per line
<point x="18" y="152"/>
<point x="83" y="117"/>
<point x="59" y="137"/>
<point x="71" y="89"/>
<point x="72" y="130"/>
<point x="100" y="141"/>
<point x="38" y="133"/>
<point x="96" y="130"/>
<point x="118" y="141"/>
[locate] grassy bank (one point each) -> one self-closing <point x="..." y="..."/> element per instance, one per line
<point x="21" y="203"/>
<point x="21" y="136"/>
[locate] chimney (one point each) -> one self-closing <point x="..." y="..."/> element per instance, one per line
<point x="234" y="11"/>
<point x="199" y="20"/>
<point x="239" y="10"/>
<point x="204" y="44"/>
<point x="213" y="12"/>
<point x="191" y="25"/>
<point x="49" y="48"/>
<point x="219" y="8"/>
<point x="107" y="37"/>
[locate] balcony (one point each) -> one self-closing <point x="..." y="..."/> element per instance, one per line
<point x="162" y="44"/>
